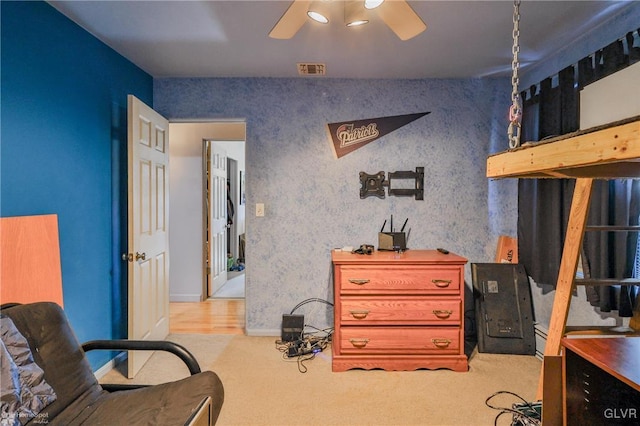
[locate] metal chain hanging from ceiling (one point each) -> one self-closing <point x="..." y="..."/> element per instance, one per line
<point x="515" y="112"/>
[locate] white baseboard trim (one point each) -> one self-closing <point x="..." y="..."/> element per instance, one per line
<point x="184" y="298"/>
<point x="102" y="371"/>
<point x="263" y="332"/>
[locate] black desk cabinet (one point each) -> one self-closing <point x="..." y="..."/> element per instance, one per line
<point x="602" y="381"/>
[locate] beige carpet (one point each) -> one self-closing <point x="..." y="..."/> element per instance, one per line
<point x="262" y="388"/>
<point x="163" y="366"/>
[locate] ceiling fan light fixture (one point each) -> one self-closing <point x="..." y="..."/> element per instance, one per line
<point x="357" y="23"/>
<point x="319" y="11"/>
<point x="372" y="4"/>
<point x="354" y="14"/>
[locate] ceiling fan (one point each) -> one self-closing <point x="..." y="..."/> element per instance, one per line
<point x="397" y="14"/>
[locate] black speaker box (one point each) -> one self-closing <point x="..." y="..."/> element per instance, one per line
<point x="504" y="312"/>
<point x="292" y="327"/>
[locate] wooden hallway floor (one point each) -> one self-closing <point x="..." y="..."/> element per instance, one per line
<point x="213" y="316"/>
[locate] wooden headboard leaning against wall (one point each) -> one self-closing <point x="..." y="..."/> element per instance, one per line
<point x="30" y="269"/>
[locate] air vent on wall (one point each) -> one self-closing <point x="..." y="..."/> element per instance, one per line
<point x="311" y="69"/>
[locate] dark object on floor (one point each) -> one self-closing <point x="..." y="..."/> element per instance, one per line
<point x="292" y="327"/>
<point x="504" y="309"/>
<point x="80" y="399"/>
<point x="237" y="267"/>
<point x="523" y="413"/>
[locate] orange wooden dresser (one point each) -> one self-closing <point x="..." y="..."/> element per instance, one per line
<point x="398" y="311"/>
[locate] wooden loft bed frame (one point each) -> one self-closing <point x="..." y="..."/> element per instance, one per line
<point x="611" y="151"/>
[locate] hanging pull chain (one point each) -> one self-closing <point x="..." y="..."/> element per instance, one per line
<point x="515" y="112"/>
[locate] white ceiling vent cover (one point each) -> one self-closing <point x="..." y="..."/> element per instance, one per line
<point x="311" y="69"/>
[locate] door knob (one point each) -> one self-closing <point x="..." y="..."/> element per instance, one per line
<point x="141" y="256"/>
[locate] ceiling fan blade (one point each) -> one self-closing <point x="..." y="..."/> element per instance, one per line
<point x="401" y="18"/>
<point x="292" y="20"/>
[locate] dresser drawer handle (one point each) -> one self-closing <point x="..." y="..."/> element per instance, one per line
<point x="441" y="283"/>
<point x="359" y="343"/>
<point x="442" y="313"/>
<point x="359" y="314"/>
<point x="358" y="281"/>
<point x="441" y="343"/>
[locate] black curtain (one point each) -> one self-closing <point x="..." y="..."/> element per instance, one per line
<point x="544" y="204"/>
<point x="551" y="108"/>
<point x="612" y="254"/>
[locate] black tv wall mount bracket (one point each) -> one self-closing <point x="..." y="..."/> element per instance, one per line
<point x="373" y="185"/>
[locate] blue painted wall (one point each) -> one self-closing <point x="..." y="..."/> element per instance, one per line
<point x="63" y="151"/>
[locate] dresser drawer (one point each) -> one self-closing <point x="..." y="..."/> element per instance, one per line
<point x="409" y="279"/>
<point x="399" y="340"/>
<point x="372" y="310"/>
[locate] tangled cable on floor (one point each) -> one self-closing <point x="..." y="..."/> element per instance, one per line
<point x="308" y="344"/>
<point x="304" y="349"/>
<point x="524" y="413"/>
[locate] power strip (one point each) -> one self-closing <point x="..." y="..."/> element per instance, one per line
<point x="301" y="347"/>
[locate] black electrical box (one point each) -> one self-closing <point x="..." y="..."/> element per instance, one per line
<point x="504" y="311"/>
<point x="292" y="327"/>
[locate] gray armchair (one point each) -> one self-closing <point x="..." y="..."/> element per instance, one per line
<point x="77" y="398"/>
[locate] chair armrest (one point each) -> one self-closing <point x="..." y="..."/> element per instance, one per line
<point x="146" y="345"/>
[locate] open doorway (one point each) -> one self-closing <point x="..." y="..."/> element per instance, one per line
<point x="187" y="206"/>
<point x="224" y="218"/>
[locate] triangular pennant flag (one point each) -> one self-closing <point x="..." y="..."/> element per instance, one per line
<point x="348" y="136"/>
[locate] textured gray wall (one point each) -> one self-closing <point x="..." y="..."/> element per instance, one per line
<point x="312" y="199"/>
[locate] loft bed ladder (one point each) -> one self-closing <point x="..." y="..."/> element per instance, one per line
<point x="606" y="152"/>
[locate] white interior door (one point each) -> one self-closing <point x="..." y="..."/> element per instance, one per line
<point x="148" y="223"/>
<point x="217" y="181"/>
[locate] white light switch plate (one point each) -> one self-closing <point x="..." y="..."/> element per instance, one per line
<point x="259" y="209"/>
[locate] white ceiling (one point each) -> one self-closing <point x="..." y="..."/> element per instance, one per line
<point x="230" y="38"/>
